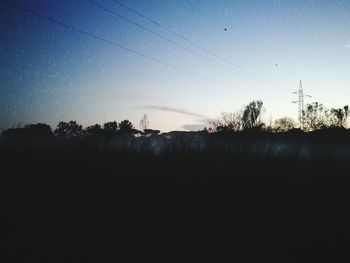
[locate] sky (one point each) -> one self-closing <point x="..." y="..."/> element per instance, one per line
<point x="180" y="62"/>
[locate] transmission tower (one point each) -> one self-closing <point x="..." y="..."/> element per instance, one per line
<point x="300" y="102"/>
<point x="144" y="122"/>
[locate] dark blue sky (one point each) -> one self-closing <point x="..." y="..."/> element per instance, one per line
<point x="51" y="73"/>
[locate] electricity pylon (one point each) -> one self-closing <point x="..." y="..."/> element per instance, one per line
<point x="144" y="122"/>
<point x="300" y="103"/>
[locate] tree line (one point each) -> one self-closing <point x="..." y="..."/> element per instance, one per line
<point x="74" y="129"/>
<point x="314" y="117"/>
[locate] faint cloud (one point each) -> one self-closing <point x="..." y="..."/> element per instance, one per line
<point x="181" y="111"/>
<point x="129" y="97"/>
<point x="133" y="97"/>
<point x="347" y="46"/>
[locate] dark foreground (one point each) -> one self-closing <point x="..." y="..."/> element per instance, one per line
<point x="91" y="208"/>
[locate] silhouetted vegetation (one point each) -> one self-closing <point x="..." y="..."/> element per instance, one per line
<point x="37" y="130"/>
<point x="341" y="116"/>
<point x="257" y="142"/>
<point x="249" y="186"/>
<point x="95" y="130"/>
<point x="111" y="127"/>
<point x="150" y="132"/>
<point x="245" y="119"/>
<point x="315" y="117"/>
<point x="71" y="128"/>
<point x="251" y="114"/>
<point x="284" y="124"/>
<point x="232" y="132"/>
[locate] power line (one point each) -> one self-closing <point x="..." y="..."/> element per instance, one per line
<point x="236" y="67"/>
<point x="200" y="12"/>
<point x="189" y="2"/>
<point x="114" y="44"/>
<point x="156" y="34"/>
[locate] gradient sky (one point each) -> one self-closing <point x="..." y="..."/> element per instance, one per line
<point x="49" y="73"/>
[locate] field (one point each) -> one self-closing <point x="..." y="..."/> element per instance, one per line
<point x="81" y="204"/>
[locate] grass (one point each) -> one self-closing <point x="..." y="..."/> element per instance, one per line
<point x="78" y="204"/>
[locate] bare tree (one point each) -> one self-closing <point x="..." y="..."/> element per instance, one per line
<point x="248" y="117"/>
<point x="228" y="120"/>
<point x="316" y="116"/>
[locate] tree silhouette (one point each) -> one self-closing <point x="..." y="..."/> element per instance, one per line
<point x="316" y="116"/>
<point x="126" y="127"/>
<point x="251" y="114"/>
<point x="284" y="124"/>
<point x="39" y="129"/>
<point x="229" y="121"/>
<point x="244" y="119"/>
<point x="70" y="129"/>
<point x="111" y="127"/>
<point x="150" y="132"/>
<point x="94" y="130"/>
<point x="340" y="116"/>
